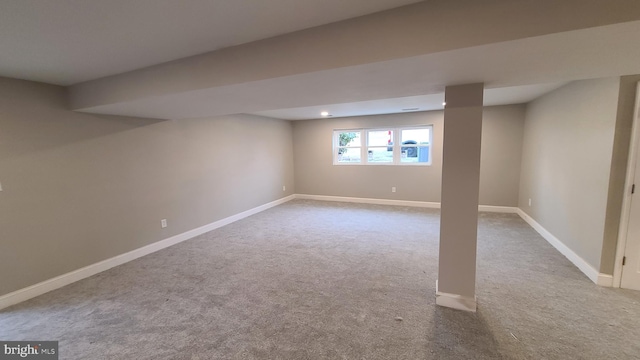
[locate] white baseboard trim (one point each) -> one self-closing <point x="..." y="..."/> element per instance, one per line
<point x="82" y="273"/>
<point x="580" y="263"/>
<point x="422" y="204"/>
<point x="454" y="301"/>
<point x="605" y="280"/>
<point x="498" y="209"/>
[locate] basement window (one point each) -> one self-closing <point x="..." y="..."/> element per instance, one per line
<point x="348" y="147"/>
<point x="383" y="146"/>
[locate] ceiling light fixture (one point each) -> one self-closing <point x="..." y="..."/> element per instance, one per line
<point x="444" y="104"/>
<point x="324" y="113"/>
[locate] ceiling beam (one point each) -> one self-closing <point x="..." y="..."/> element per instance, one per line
<point x="419" y="29"/>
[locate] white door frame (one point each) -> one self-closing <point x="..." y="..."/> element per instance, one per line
<point x="626" y="201"/>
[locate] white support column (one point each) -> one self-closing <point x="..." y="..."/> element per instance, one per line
<point x="456" y="285"/>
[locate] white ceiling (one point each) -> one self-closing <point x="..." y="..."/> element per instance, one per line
<point x="555" y="58"/>
<point x="492" y="97"/>
<point x="70" y="41"/>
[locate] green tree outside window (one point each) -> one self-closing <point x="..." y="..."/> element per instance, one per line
<point x="345" y="139"/>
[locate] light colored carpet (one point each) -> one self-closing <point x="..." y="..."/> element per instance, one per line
<point x="319" y="280"/>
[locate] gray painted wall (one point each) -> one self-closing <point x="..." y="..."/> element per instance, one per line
<point x="501" y="153"/>
<point x="566" y="161"/>
<point x="500" y="159"/>
<point x="79" y="188"/>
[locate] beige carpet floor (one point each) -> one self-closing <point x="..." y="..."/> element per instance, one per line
<point x="320" y="280"/>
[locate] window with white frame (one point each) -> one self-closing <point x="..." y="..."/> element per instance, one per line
<point x="409" y="145"/>
<point x="348" y="147"/>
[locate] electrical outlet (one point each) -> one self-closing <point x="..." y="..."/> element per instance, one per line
<point x="529" y="201"/>
<point x="393" y="189"/>
<point x="163" y="223"/>
<point x="284" y="188"/>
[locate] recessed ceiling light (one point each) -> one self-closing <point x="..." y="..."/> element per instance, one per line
<point x="444" y="104"/>
<point x="324" y="113"/>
